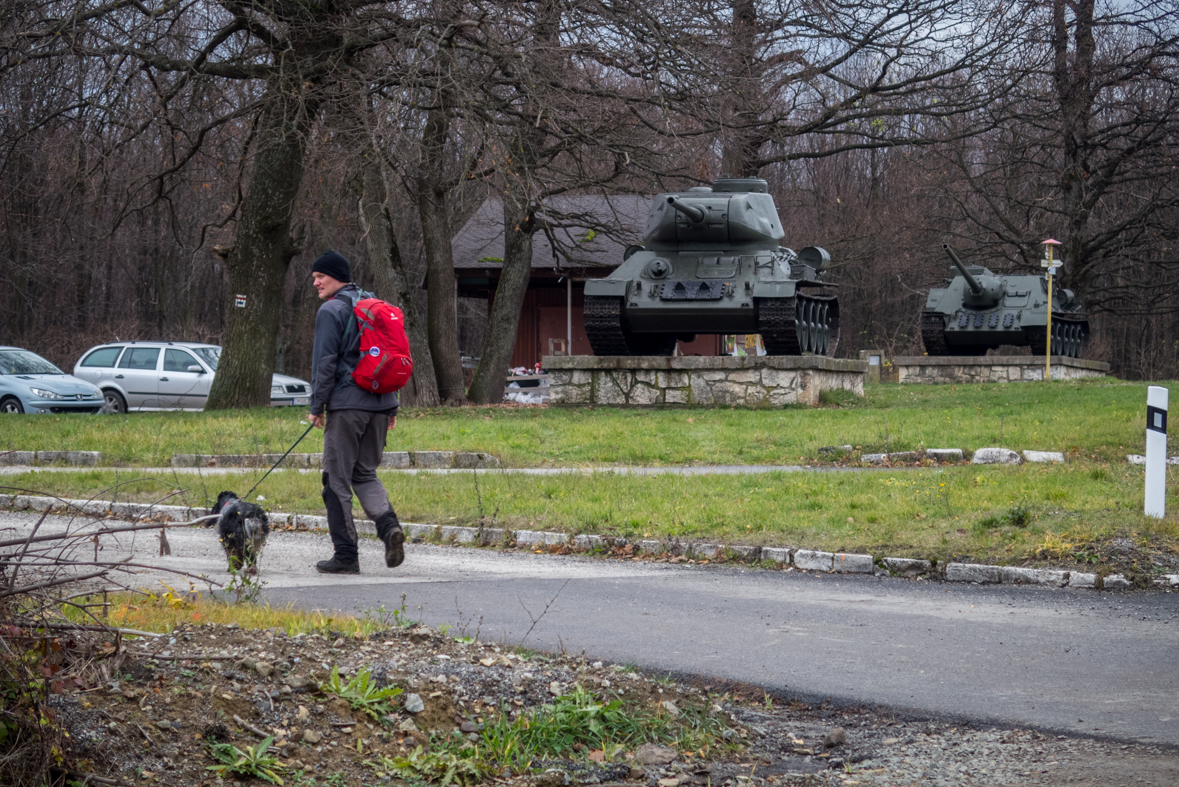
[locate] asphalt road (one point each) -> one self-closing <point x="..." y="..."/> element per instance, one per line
<point x="1069" y="661"/>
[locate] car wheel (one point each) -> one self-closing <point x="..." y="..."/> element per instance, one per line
<point x="115" y="403"/>
<point x="11" y="405"/>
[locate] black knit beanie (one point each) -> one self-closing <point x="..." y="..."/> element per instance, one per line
<point x="333" y="264"/>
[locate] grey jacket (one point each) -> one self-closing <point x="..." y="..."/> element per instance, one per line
<point x="331" y="385"/>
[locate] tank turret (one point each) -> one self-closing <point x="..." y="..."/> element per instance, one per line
<point x="979" y="311"/>
<point x="711" y="262"/>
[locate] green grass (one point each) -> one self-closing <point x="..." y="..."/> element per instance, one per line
<point x="1101" y="418"/>
<point x="995" y="514"/>
<point x="991" y="513"/>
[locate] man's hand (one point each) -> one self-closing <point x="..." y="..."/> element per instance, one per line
<point x="317" y="421"/>
<point x="392" y="421"/>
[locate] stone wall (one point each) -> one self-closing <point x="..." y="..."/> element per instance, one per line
<point x="751" y="381"/>
<point x="992" y="369"/>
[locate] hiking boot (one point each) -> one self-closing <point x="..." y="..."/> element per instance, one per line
<point x="394" y="540"/>
<point x="337" y="566"/>
<point x="389" y="530"/>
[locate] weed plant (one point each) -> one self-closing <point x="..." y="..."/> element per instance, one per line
<point x="362" y="693"/>
<point x="253" y="761"/>
<point x="580" y="721"/>
<point x="442" y="766"/>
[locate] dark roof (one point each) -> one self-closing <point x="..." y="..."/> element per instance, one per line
<point x="618" y="221"/>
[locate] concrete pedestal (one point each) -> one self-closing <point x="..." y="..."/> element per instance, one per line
<point x="746" y="381"/>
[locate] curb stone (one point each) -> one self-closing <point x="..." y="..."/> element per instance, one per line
<point x="72" y="458"/>
<point x="802" y="559"/>
<point x="396" y="460"/>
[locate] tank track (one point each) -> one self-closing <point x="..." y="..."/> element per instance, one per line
<point x="1070" y="337"/>
<point x="933" y="334"/>
<point x="608" y="336"/>
<point x="603" y="325"/>
<point x="779" y="321"/>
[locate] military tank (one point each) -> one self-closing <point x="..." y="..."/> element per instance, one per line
<point x="710" y="262"/>
<point x="979" y="311"/>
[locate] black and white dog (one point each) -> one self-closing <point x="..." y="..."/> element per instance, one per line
<point x="243" y="528"/>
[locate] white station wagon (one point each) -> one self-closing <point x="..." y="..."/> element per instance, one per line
<point x="141" y="376"/>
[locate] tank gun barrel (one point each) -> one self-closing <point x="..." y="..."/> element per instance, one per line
<point x="691" y="211"/>
<point x="975" y="287"/>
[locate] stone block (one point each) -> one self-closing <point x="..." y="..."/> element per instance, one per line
<point x="1014" y="575"/>
<point x="431" y="460"/>
<point x="701" y="391"/>
<point x="555" y="539"/>
<point x="944" y="455"/>
<point x="469" y="460"/>
<point x="995" y="456"/>
<point x="312" y="522"/>
<point x="650" y="547"/>
<point x="971" y="572"/>
<point x="493" y="536"/>
<point x="396" y="459"/>
<point x="589" y="543"/>
<point x="756" y="396"/>
<point x="780" y="397"/>
<point x="643" y="394"/>
<point x="1043" y="456"/>
<point x="1079" y="579"/>
<point x="10" y="458"/>
<point x="814" y="560"/>
<point x="776" y="554"/>
<point x="74" y="458"/>
<point x="676" y="396"/>
<point x="743" y="552"/>
<point x="745" y="376"/>
<point x="853" y="564"/>
<point x="873" y="459"/>
<point x="570" y="395"/>
<point x="608" y="391"/>
<point x="415" y="532"/>
<point x="459" y="535"/>
<point x="706" y="551"/>
<point x="906" y="567"/>
<point x="646" y="376"/>
<point x="1117" y="582"/>
<point x="529" y="538"/>
<point x="672" y="380"/>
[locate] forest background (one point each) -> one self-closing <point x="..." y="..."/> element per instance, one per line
<point x="159" y="157"/>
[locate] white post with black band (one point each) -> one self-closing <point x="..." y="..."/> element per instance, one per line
<point x="1156" y="451"/>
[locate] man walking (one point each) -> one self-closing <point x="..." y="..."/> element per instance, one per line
<point x="357" y="422"/>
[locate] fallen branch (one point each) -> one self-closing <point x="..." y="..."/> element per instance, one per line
<point x="105" y="531"/>
<point x="50" y="583"/>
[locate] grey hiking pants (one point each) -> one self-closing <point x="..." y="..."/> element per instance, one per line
<point x="353" y="444"/>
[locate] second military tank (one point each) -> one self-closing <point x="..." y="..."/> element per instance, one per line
<point x="711" y="263"/>
<point x="979" y="311"/>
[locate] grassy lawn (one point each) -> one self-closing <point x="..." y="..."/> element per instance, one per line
<point x="993" y="514"/>
<point x="996" y="514"/>
<point x="1103" y="419"/>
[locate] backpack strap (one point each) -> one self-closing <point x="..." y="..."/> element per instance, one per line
<point x="342" y="369"/>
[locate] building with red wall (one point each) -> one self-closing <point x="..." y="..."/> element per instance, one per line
<point x="583" y="237"/>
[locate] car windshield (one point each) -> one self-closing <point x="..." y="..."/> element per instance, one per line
<point x="210" y="355"/>
<point x="25" y="362"/>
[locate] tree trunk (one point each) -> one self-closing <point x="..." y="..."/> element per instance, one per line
<point x="745" y="134"/>
<point x="1072" y="75"/>
<point x="394" y="284"/>
<point x="441" y="286"/>
<point x="487" y="387"/>
<point x="262" y="250"/>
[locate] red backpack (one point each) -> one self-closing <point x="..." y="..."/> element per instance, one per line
<point x="385" y="364"/>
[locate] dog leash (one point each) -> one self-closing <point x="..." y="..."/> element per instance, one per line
<point x="246" y="496"/>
